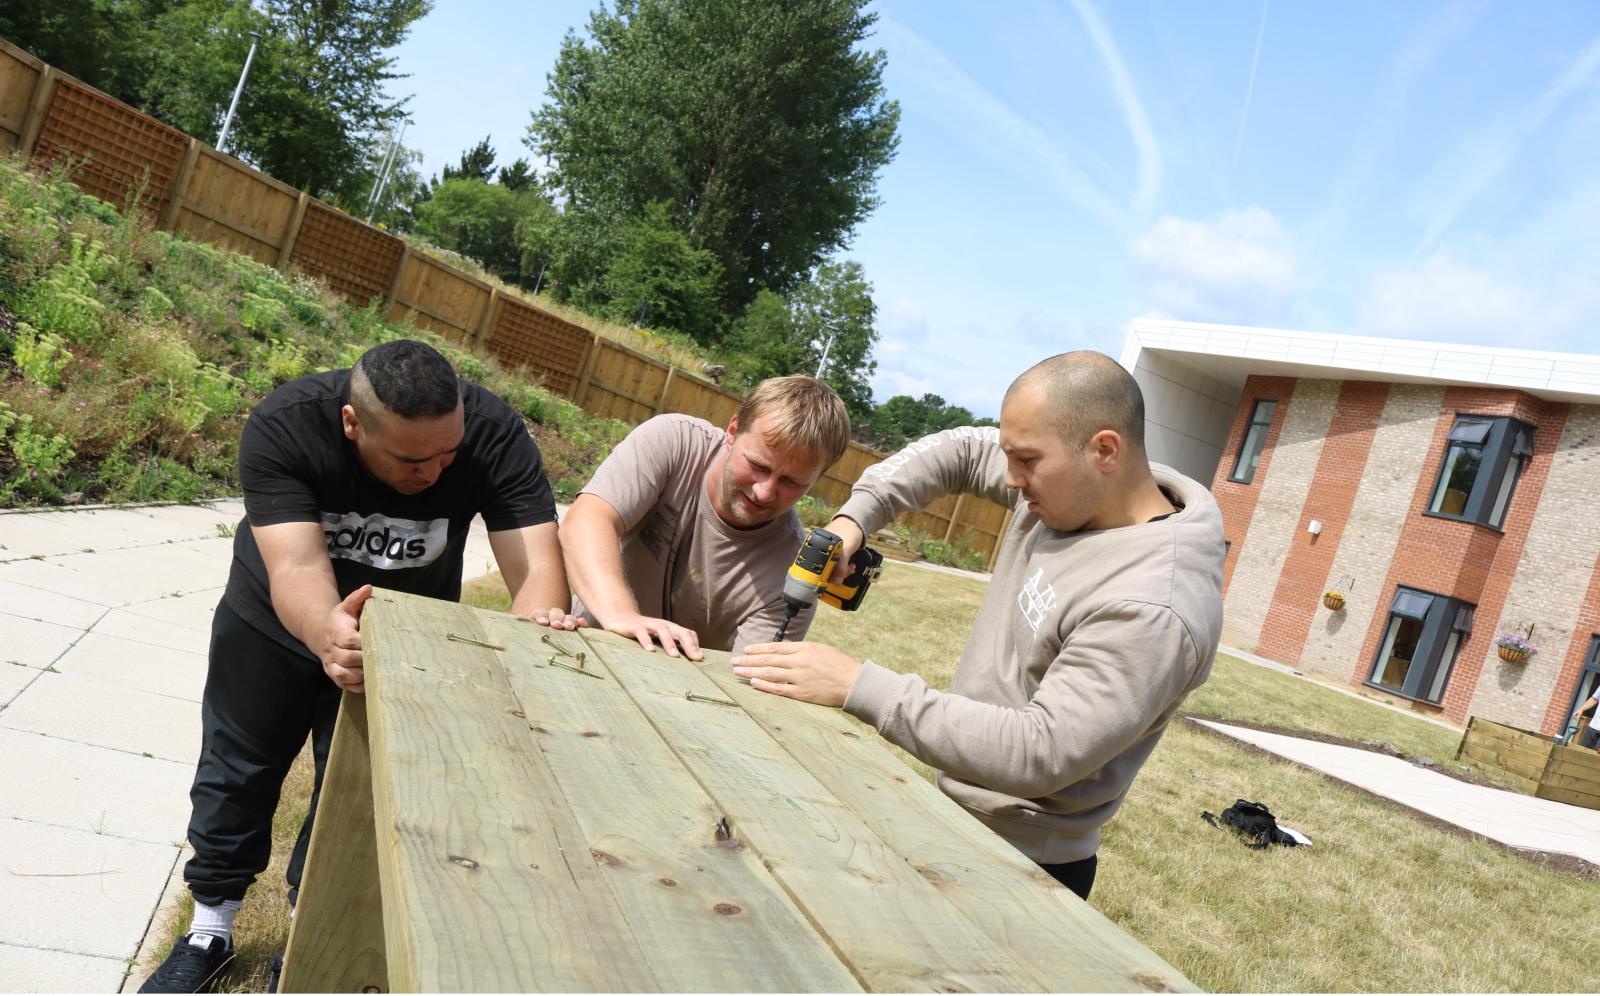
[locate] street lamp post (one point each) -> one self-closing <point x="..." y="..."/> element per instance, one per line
<point x="827" y="344"/>
<point x="227" y="122"/>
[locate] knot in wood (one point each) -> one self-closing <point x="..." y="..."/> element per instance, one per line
<point x="591" y="733"/>
<point x="603" y="857"/>
<point x="727" y="909"/>
<point x="1152" y="983"/>
<point x="457" y="859"/>
<point x="670" y="883"/>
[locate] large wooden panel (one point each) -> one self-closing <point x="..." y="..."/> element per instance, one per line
<point x="356" y="259"/>
<point x="437" y="297"/>
<point x="623" y="384"/>
<point x="231" y="205"/>
<point x="549" y="347"/>
<point x="692" y="396"/>
<point x="19" y="75"/>
<point x="115" y="152"/>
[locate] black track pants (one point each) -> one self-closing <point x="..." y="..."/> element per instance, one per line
<point x="261" y="702"/>
<point x="1076" y="875"/>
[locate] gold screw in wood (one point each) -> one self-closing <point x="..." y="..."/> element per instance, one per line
<point x="475" y="643"/>
<point x="692" y="697"/>
<point x="574" y="668"/>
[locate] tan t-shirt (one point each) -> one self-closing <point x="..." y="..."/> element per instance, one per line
<point x="681" y="560"/>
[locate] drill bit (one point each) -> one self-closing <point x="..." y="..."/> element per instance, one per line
<point x="788" y="617"/>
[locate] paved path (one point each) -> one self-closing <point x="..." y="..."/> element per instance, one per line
<point x="1509" y="817"/>
<point x="105" y="616"/>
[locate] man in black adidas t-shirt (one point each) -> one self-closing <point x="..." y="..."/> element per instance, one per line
<point x="352" y="478"/>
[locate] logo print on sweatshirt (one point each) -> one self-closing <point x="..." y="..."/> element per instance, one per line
<point x="385" y="543"/>
<point x="1034" y="601"/>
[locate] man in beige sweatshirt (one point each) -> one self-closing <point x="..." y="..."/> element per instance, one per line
<point x="1103" y="613"/>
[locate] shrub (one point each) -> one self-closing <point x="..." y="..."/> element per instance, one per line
<point x="40" y="356"/>
<point x="813" y="511"/>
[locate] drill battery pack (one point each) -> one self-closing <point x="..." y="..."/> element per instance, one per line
<point x="866" y="565"/>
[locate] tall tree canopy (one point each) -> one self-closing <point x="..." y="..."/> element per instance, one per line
<point x="318" y="88"/>
<point x="762" y="124"/>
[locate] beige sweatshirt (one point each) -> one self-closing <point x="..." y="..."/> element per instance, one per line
<point x="1084" y="647"/>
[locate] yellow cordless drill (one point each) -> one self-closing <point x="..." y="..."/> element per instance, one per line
<point x="813" y="566"/>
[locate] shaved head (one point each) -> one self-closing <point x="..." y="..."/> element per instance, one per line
<point x="1085" y="392"/>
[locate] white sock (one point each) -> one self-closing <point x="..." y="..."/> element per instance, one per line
<point x="214" y="921"/>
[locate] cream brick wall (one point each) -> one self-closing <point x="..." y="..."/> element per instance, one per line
<point x="1551" y="579"/>
<point x="1399" y="447"/>
<point x="1277" y="513"/>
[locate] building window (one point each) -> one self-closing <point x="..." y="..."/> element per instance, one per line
<point x="1255" y="440"/>
<point x="1420" y="644"/>
<point x="1588" y="684"/>
<point x="1483" y="460"/>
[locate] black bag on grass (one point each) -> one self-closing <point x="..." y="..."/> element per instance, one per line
<point x="1254" y="823"/>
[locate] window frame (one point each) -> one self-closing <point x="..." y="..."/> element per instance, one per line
<point x="1503" y="455"/>
<point x="1591" y="666"/>
<point x="1446" y="626"/>
<point x="1245" y="472"/>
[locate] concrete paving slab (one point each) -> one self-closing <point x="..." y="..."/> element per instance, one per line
<point x="191" y="611"/>
<point x="89" y="711"/>
<point x="131" y="626"/>
<point x="13" y="679"/>
<point x="125" y="663"/>
<point x="47" y="606"/>
<point x="82" y="788"/>
<point x="52" y="534"/>
<point x="38" y="970"/>
<point x="52" y="576"/>
<point x="118" y="577"/>
<point x="154" y="946"/>
<point x="195" y="520"/>
<point x="33" y="643"/>
<point x="71" y="890"/>
<point x="1509" y="817"/>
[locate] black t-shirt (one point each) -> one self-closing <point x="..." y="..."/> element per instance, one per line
<point x="297" y="466"/>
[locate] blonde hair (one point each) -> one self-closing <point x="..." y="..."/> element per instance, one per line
<point x="808" y="416"/>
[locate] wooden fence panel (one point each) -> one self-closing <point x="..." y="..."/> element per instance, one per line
<point x="19" y="77"/>
<point x="623" y="384"/>
<point x="228" y="204"/>
<point x="692" y="396"/>
<point x="357" y="260"/>
<point x="116" y="152"/>
<point x="439" y="298"/>
<point x="550" y="347"/>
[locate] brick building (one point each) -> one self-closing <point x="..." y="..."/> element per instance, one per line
<point x="1447" y="492"/>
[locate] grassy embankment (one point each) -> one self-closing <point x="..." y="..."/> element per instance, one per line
<point x="129" y="357"/>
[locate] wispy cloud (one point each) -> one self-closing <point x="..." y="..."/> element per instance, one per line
<point x="1436" y="32"/>
<point x="1488" y="152"/>
<point x="1240" y="267"/>
<point x="991" y="127"/>
<point x="1144" y="139"/>
<point x="1250" y="88"/>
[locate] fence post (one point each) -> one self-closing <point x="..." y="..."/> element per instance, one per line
<point x="180" y="185"/>
<point x="666" y="385"/>
<point x="955" y="516"/>
<point x="33" y="119"/>
<point x="1000" y="537"/>
<point x="389" y="297"/>
<point x="481" y="334"/>
<point x="587" y="368"/>
<point x="292" y="233"/>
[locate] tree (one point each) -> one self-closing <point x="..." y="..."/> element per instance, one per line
<point x="518" y="176"/>
<point x="903" y="418"/>
<point x="830" y="313"/>
<point x="477" y="163"/>
<point x="105" y="43"/>
<point x="760" y="123"/>
<point x="658" y="279"/>
<point x="480" y="220"/>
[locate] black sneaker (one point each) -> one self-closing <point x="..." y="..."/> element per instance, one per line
<point x="193" y="966"/>
<point x="273" y="976"/>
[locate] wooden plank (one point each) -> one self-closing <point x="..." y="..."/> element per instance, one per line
<point x="470" y="849"/>
<point x="1578" y="759"/>
<point x="336" y="935"/>
<point x="1532" y="750"/>
<point x="955" y="517"/>
<point x="705" y="911"/>
<point x="1522" y="769"/>
<point x="1585" y="783"/>
<point x="480" y="338"/>
<point x="1007" y="896"/>
<point x="889" y="923"/>
<point x="1569" y="797"/>
<point x="38" y="107"/>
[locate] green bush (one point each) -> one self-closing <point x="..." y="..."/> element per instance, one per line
<point x="813" y="511"/>
<point x="40" y="356"/>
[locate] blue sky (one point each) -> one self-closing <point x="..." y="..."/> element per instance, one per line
<point x="1413" y="170"/>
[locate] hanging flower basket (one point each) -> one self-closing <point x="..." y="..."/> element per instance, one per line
<point x="1514" y="648"/>
<point x="1333" y="600"/>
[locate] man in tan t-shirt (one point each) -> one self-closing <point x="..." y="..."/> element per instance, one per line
<point x="1103" y="613"/>
<point x="686" y="531"/>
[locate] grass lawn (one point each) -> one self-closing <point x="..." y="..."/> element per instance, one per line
<point x="1380" y="902"/>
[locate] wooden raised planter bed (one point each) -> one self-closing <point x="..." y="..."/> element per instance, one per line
<point x="1546" y="769"/>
